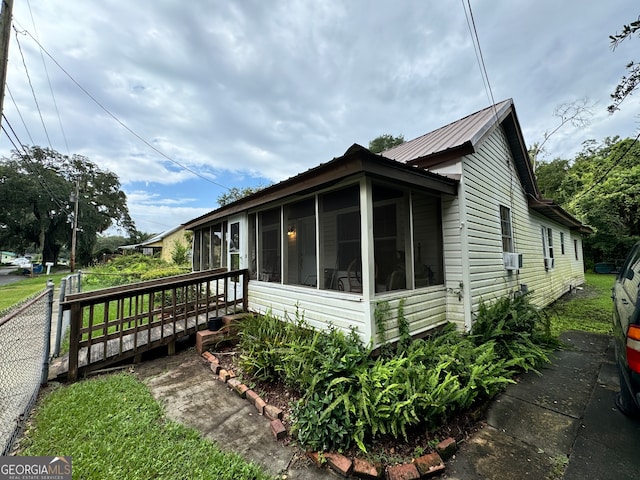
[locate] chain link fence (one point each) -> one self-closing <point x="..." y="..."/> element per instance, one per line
<point x="25" y="335"/>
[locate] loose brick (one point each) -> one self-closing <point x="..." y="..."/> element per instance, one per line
<point x="406" y="471"/>
<point x="204" y="338"/>
<point x="272" y="412"/>
<point x="278" y="430"/>
<point x="367" y="470"/>
<point x="429" y="465"/>
<point x="251" y="396"/>
<point x="223" y="375"/>
<point x="215" y="367"/>
<point x="231" y="374"/>
<point x="208" y="356"/>
<point x="238" y="387"/>
<point x="315" y="458"/>
<point x="447" y="448"/>
<point x="259" y="404"/>
<point x="339" y="463"/>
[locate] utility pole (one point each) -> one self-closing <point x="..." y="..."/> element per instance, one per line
<point x="5" y="34"/>
<point x="74" y="198"/>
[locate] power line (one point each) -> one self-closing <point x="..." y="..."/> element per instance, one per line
<point x="35" y="99"/>
<point x="30" y="166"/>
<point x="120" y="122"/>
<point x="608" y="171"/>
<point x="46" y="71"/>
<point x="20" y="114"/>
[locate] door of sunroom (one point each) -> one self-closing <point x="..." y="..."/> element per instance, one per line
<point x="236" y="251"/>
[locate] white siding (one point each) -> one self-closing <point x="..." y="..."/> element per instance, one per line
<point x="423" y="309"/>
<point x="490" y="180"/>
<point x="319" y="307"/>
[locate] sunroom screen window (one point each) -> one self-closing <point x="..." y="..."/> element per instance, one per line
<point x="427" y="240"/>
<point x="300" y="241"/>
<point x="390" y="234"/>
<point x="340" y="240"/>
<point x="269" y="266"/>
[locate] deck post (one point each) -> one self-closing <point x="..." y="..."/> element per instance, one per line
<point x="74" y="340"/>
<point x="245" y="290"/>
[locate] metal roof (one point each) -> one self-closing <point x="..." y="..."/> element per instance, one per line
<point x="466" y="131"/>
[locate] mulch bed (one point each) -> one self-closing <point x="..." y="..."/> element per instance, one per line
<point x="387" y="449"/>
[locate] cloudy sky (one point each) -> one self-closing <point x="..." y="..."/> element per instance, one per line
<point x="192" y="98"/>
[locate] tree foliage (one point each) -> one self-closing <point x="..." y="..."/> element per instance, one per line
<point x="385" y="142"/>
<point x="36" y="194"/>
<point x="630" y="81"/>
<point x="236" y="193"/>
<point x="601" y="186"/>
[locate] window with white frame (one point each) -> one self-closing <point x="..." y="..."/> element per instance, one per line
<point x="506" y="230"/>
<point x="547" y="246"/>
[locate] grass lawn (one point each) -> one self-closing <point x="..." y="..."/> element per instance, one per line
<point x="23" y="289"/>
<point x="114" y="429"/>
<point x="589" y="309"/>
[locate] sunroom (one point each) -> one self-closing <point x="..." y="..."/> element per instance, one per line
<point x="332" y="243"/>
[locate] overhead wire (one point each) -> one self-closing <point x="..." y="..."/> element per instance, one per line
<point x="607" y="171"/>
<point x="33" y="92"/>
<point x="19" y="114"/>
<point x="46" y="71"/>
<point x="30" y="166"/>
<point x="120" y="122"/>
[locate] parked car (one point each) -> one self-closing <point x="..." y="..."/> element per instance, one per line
<point x="626" y="331"/>
<point x="22" y="262"/>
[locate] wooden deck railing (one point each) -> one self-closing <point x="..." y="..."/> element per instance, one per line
<point x="110" y="325"/>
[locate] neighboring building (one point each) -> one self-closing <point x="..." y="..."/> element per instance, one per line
<point x="162" y="245"/>
<point x="7" y="257"/>
<point x="440" y="223"/>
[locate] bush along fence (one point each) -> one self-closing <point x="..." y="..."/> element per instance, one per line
<point x="25" y="335"/>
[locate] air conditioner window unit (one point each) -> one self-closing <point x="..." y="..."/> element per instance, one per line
<point x="512" y="261"/>
<point x="549" y="263"/>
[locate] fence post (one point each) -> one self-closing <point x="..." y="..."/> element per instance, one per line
<point x="79" y="281"/>
<point x="74" y="340"/>
<point x="63" y="287"/>
<point x="47" y="332"/>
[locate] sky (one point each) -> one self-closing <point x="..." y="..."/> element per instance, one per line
<point x="184" y="100"/>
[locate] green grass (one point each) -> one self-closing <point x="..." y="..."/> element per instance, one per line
<point x="114" y="429"/>
<point x="588" y="310"/>
<point x="21" y="290"/>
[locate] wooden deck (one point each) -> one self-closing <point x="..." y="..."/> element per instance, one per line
<point x="148" y="315"/>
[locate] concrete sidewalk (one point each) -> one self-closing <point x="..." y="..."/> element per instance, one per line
<point x="562" y="424"/>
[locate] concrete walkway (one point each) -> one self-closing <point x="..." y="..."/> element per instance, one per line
<point x="192" y="395"/>
<point x="561" y="425"/>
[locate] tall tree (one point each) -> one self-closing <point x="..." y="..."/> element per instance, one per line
<point x="37" y="188"/>
<point x="385" y="142"/>
<point x="236" y="193"/>
<point x="630" y="81"/>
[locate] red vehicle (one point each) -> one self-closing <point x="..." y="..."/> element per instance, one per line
<point x="626" y="331"/>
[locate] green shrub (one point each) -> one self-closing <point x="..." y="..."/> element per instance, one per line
<point x="350" y="398"/>
<point x="521" y="332"/>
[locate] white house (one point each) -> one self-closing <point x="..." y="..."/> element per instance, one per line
<point x="438" y="223"/>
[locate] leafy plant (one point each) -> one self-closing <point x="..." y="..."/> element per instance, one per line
<point x="521" y="332"/>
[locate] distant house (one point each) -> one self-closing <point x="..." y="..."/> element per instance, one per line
<point x="162" y="245"/>
<point x="439" y="223"/>
<point x="7" y="257"/>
